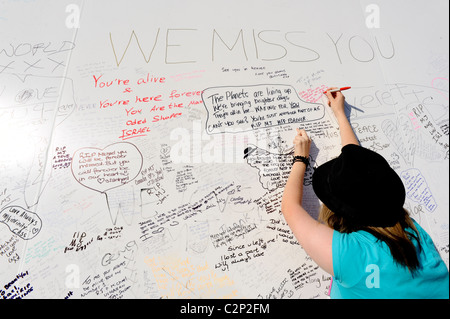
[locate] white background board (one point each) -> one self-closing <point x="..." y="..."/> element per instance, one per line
<point x="124" y="125"/>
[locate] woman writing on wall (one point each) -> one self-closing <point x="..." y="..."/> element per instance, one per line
<point x="364" y="238"/>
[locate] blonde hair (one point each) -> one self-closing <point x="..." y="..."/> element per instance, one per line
<point x="398" y="237"/>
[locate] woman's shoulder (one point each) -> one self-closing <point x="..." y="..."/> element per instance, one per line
<point x="357" y="240"/>
<point x="352" y="252"/>
<point x="357" y="236"/>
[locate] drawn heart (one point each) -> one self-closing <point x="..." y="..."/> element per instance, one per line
<point x="165" y="150"/>
<point x="104" y="169"/>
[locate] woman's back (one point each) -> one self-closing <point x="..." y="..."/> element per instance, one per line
<point x="364" y="268"/>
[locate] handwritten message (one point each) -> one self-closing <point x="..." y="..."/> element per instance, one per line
<point x="61" y="159"/>
<point x="9" y="250"/>
<point x="273" y="169"/>
<point x="184" y="278"/>
<point x="115" y="279"/>
<point x="14" y="290"/>
<point x="108" y="168"/>
<point x="240" y="109"/>
<point x="141" y="108"/>
<point x="417" y="188"/>
<point x="21" y="222"/>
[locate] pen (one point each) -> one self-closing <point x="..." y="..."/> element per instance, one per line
<point x="338" y="90"/>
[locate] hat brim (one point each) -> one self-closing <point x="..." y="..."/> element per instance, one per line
<point x="320" y="183"/>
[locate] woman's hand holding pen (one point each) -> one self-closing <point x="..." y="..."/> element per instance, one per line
<point x="336" y="102"/>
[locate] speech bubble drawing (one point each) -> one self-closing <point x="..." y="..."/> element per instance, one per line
<point x="234" y="109"/>
<point x="21" y="222"/>
<point x="417" y="189"/>
<point x="108" y="168"/>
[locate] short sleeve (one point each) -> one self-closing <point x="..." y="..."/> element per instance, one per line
<point x="349" y="258"/>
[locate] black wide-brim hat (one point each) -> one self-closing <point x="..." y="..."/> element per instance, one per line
<point x="360" y="186"/>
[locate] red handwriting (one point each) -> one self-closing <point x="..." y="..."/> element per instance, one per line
<point x="313" y="95"/>
<point x="106" y="103"/>
<point x="157" y="108"/>
<point x="136" y="105"/>
<point x="100" y="83"/>
<point x="195" y="102"/>
<point x="136" y="132"/>
<point x="163" y="118"/>
<point x="136" y="122"/>
<point x="103" y="84"/>
<point x="163" y="107"/>
<point x="174" y="94"/>
<point x="414" y="121"/>
<point x="146" y="99"/>
<point x="151" y="79"/>
<point x="127" y="134"/>
<point x="132" y="111"/>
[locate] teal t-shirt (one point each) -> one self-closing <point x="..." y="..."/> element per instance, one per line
<point x="364" y="268"/>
